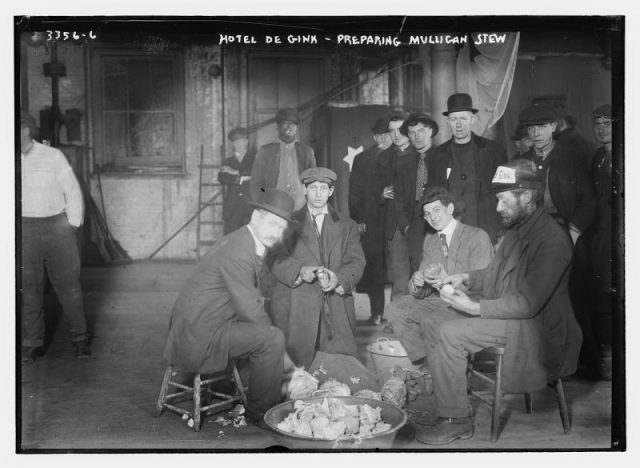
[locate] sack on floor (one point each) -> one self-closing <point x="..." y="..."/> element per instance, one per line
<point x="346" y="369"/>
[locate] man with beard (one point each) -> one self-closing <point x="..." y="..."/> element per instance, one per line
<point x="366" y="211"/>
<point x="220" y="315"/>
<point x="279" y="164"/>
<point x="520" y="300"/>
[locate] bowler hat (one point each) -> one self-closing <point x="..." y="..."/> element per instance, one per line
<point x="538" y="114"/>
<point x="420" y="117"/>
<point x="275" y="201"/>
<point x="319" y="174"/>
<point x="288" y="113"/>
<point x="381" y="126"/>
<point x="238" y="133"/>
<point x="559" y="101"/>
<point x="517" y="174"/>
<point x="602" y="111"/>
<point x="459" y="102"/>
<point x="27" y="119"/>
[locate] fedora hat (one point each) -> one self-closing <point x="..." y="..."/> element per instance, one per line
<point x="288" y="113"/>
<point x="275" y="201"/>
<point x="459" y="102"/>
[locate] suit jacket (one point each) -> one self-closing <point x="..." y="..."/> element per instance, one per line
<point x="386" y="169"/>
<point x="570" y="186"/>
<point x="406" y="176"/>
<point x="365" y="207"/>
<point x="296" y="310"/>
<point x="470" y="249"/>
<point x="526" y="284"/>
<point x="223" y="289"/>
<point x="267" y="164"/>
<point x="479" y="203"/>
<point x="235" y="210"/>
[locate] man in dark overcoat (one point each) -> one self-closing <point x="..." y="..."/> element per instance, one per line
<point x="520" y="300"/>
<point x="234" y="175"/>
<point x="219" y="313"/>
<point x="465" y="164"/>
<point x="365" y="208"/>
<point x="279" y="164"/>
<point x="317" y="270"/>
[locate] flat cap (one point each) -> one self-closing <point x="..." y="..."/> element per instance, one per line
<point x="381" y="126"/>
<point x="238" y="133"/>
<point x="318" y="174"/>
<point x="538" y="114"/>
<point x="517" y="174"/>
<point x="602" y="111"/>
<point x="420" y="117"/>
<point x="288" y="113"/>
<point x="559" y="101"/>
<point x="27" y="119"/>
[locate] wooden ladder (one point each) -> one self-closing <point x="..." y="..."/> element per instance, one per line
<point x="208" y="200"/>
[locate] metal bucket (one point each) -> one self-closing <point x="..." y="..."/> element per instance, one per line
<point x="386" y="354"/>
<point x="391" y="414"/>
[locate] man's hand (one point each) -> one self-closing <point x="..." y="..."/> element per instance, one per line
<point x="389" y="192"/>
<point x="419" y="279"/>
<point x="362" y="228"/>
<point x="340" y="290"/>
<point x="332" y="282"/>
<point x="308" y="273"/>
<point x="460" y="301"/>
<point x="456" y="280"/>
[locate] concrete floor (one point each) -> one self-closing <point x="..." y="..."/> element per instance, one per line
<point x="107" y="401"/>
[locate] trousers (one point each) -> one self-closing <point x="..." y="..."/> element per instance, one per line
<point x="50" y="244"/>
<point x="261" y="348"/>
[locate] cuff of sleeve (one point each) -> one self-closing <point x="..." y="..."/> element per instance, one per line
<point x="75" y="222"/>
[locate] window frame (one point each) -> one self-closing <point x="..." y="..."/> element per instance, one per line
<point x="144" y="164"/>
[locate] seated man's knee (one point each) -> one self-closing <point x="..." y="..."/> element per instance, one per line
<point x="452" y="331"/>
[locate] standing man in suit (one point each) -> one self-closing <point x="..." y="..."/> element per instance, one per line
<point x="465" y="165"/>
<point x="396" y="248"/>
<point x="411" y="180"/>
<point x="319" y="266"/>
<point x="280" y="163"/>
<point x="452" y="247"/>
<point x="219" y="313"/>
<point x="365" y="195"/>
<point x="234" y="175"/>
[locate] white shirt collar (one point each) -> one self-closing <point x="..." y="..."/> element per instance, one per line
<point x="448" y="230"/>
<point x="260" y="248"/>
<point x="323" y="211"/>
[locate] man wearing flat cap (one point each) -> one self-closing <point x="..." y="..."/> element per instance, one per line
<point x="520" y="300"/>
<point x="365" y="209"/>
<point x="235" y="177"/>
<point x="279" y="164"/>
<point x="566" y="132"/>
<point x="317" y="268"/>
<point x="465" y="164"/>
<point x="411" y="179"/>
<point x="220" y="314"/>
<point x="52" y="211"/>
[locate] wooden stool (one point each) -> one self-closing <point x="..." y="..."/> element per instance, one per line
<point x="496" y="354"/>
<point x="198" y="390"/>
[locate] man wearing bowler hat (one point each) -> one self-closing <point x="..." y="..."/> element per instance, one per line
<point x="519" y="300"/>
<point x="219" y="313"/>
<point x="465" y="164"/>
<point x="279" y="164"/>
<point x="366" y="210"/>
<point x="235" y="175"/>
<point x="319" y="265"/>
<point x="411" y="180"/>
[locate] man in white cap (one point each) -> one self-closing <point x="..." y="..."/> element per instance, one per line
<point x="520" y="300"/>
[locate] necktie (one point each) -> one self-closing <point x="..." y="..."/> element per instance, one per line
<point x="445" y="248"/>
<point x="421" y="177"/>
<point x="316" y="226"/>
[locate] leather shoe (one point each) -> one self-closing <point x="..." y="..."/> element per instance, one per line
<point x="445" y="431"/>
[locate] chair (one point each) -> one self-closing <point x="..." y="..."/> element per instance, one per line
<point x="495" y="356"/>
<point x="199" y="391"/>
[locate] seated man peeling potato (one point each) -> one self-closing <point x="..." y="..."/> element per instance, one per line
<point x="451" y="247"/>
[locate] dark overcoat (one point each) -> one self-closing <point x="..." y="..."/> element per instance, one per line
<point x="235" y="209"/>
<point x="296" y="309"/>
<point x="475" y="202"/>
<point x="365" y="194"/>
<point x="526" y="284"/>
<point x="223" y="289"/>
